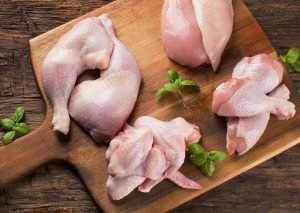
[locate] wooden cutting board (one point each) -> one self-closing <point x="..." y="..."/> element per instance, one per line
<point x="137" y="23"/>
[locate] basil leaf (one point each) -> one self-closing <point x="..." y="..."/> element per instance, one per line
<point x="173" y="75"/>
<point x="283" y="58"/>
<point x="18" y="115"/>
<point x="216" y="156"/>
<point x="296" y="66"/>
<point x="292" y="55"/>
<point x="7" y="124"/>
<point x="177" y="83"/>
<point x="190" y="83"/>
<point x="195" y="148"/>
<point x="8" y="137"/>
<point x="21" y="129"/>
<point x="197" y="160"/>
<point x="168" y="87"/>
<point x="208" y="168"/>
<point x="160" y="93"/>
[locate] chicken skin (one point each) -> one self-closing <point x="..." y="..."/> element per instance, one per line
<point x="195" y="32"/>
<point x="86" y="46"/>
<point x="148" y="152"/>
<point x="102" y="106"/>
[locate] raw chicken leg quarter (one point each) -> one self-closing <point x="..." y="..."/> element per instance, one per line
<point x="86" y="46"/>
<point x="100" y="106"/>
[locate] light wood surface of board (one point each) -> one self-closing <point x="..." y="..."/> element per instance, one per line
<point x="137" y="24"/>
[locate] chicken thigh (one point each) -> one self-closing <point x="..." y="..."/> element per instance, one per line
<point x="103" y="105"/>
<point x="86" y="46"/>
<point x="196" y="31"/>
<point x="143" y="155"/>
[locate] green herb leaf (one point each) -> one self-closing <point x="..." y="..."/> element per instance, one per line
<point x="216" y="156"/>
<point x="292" y="58"/>
<point x="18" y="115"/>
<point x="21" y="129"/>
<point x="208" y="168"/>
<point x="195" y="148"/>
<point x="168" y="87"/>
<point x="296" y="66"/>
<point x="7" y="124"/>
<point x="190" y="83"/>
<point x="292" y="55"/>
<point x="198" y="160"/>
<point x="175" y="84"/>
<point x="283" y="58"/>
<point x="173" y="75"/>
<point x="8" y="137"/>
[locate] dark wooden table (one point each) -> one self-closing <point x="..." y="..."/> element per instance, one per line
<point x="273" y="186"/>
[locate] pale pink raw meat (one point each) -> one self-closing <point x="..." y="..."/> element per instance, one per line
<point x="245" y="94"/>
<point x="145" y="154"/>
<point x="181" y="34"/>
<point x="249" y="100"/>
<point x="86" y="46"/>
<point x="246" y="104"/>
<point x="244" y="132"/>
<point x="196" y="31"/>
<point x="102" y="106"/>
<point x="261" y="68"/>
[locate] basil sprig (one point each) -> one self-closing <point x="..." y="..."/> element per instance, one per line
<point x="292" y="58"/>
<point x="203" y="159"/>
<point x="176" y="84"/>
<point x="14" y="127"/>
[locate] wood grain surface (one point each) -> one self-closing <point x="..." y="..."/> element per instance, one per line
<point x="55" y="189"/>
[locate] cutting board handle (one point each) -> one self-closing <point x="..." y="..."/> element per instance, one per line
<point x="26" y="154"/>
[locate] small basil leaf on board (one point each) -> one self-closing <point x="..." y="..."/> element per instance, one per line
<point x="216" y="156"/>
<point x="168" y="87"/>
<point x="190" y="83"/>
<point x="197" y="160"/>
<point x="21" y="129"/>
<point x="18" y="115"/>
<point x="177" y="83"/>
<point x="174" y="84"/>
<point x="8" y="137"/>
<point x="173" y="75"/>
<point x="7" y="124"/>
<point x="208" y="168"/>
<point x="195" y="148"/>
<point x="160" y="93"/>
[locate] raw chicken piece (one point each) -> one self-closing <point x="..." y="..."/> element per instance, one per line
<point x="103" y="105"/>
<point x="248" y="100"/>
<point x="244" y="101"/>
<point x="243" y="133"/>
<point x="181" y="34"/>
<point x="132" y="164"/>
<point x="196" y="31"/>
<point x="215" y="20"/>
<point x="85" y="46"/>
<point x="262" y="69"/>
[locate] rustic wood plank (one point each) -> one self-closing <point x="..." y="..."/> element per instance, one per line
<point x="17" y="85"/>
